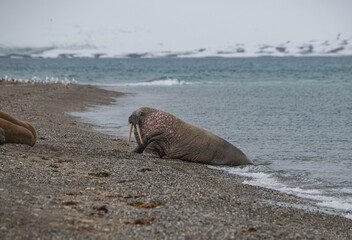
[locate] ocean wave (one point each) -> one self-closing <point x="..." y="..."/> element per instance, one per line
<point x="35" y="79"/>
<point x="268" y="180"/>
<point x="166" y="82"/>
<point x="332" y="202"/>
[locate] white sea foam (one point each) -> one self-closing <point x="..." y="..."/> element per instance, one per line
<point x="166" y="82"/>
<point x="268" y="180"/>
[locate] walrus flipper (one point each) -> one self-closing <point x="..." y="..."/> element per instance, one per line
<point x="153" y="149"/>
<point x="14" y="133"/>
<point x="138" y="149"/>
<point x="18" y="122"/>
<point x="2" y="136"/>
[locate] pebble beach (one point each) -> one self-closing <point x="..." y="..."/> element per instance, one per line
<point x="76" y="183"/>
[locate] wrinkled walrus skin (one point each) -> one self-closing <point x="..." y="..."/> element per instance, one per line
<point x="13" y="130"/>
<point x="160" y="134"/>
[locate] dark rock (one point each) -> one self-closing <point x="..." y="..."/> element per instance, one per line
<point x="101" y="208"/>
<point x="281" y="49"/>
<point x="306" y="49"/>
<point x="240" y="50"/>
<point x="336" y="50"/>
<point x="99" y="174"/>
<point x="136" y="55"/>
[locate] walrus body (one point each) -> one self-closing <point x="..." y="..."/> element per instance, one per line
<point x="13" y="130"/>
<point x="163" y="135"/>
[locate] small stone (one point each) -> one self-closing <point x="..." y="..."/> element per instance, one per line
<point x="101" y="208"/>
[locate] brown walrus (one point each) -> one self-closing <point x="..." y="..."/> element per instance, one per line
<point x="163" y="135"/>
<point x="13" y="130"/>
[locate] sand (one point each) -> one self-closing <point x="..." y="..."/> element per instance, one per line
<point x="76" y="183"/>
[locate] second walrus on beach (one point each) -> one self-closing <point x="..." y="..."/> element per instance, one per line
<point x="13" y="130"/>
<point x="163" y="135"/>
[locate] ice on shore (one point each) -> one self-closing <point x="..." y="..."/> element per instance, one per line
<point x="335" y="47"/>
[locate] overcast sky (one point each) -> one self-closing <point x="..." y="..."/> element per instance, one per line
<point x="170" y="24"/>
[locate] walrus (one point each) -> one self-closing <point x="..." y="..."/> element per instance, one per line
<point x="160" y="134"/>
<point x="13" y="130"/>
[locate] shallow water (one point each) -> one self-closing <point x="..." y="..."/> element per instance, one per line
<point x="291" y="116"/>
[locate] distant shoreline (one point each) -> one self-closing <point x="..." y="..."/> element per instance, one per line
<point x="27" y="57"/>
<point x="315" y="48"/>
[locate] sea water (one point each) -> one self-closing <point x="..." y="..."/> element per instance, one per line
<point x="291" y="116"/>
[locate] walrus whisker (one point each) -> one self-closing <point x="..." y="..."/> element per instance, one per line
<point x="129" y="134"/>
<point x="139" y="133"/>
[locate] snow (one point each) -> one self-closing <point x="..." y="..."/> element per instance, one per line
<point x="335" y="47"/>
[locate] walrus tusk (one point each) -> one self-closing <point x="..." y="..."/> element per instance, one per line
<point x="129" y="134"/>
<point x="139" y="133"/>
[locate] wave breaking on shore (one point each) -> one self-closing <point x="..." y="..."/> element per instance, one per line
<point x="329" y="203"/>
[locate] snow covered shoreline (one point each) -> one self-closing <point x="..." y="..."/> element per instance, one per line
<point x="336" y="47"/>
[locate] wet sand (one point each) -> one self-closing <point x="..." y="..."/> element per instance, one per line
<point x="77" y="183"/>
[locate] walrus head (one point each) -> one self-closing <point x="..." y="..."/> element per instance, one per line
<point x="150" y="122"/>
<point x="134" y="121"/>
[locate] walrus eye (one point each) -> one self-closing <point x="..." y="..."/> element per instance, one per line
<point x="142" y="114"/>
